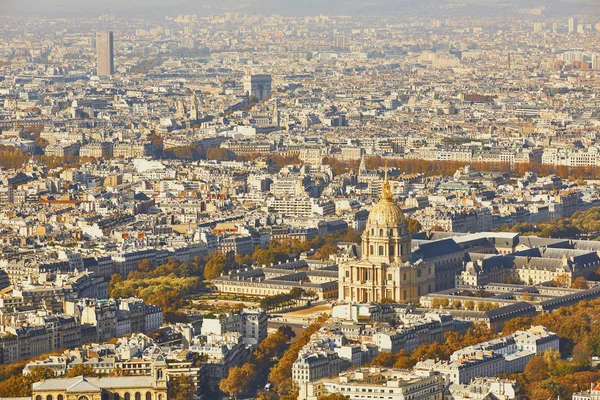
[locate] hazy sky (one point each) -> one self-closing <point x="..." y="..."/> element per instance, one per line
<point x="147" y="8"/>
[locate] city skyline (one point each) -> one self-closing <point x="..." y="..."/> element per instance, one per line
<point x="318" y="200"/>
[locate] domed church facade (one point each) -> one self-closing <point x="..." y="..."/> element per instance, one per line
<point x="385" y="269"/>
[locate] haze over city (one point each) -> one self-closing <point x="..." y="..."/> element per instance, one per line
<point x="312" y="200"/>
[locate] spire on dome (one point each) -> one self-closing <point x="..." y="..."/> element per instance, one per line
<point x="386" y="190"/>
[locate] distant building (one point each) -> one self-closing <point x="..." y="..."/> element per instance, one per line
<point x="97" y="150"/>
<point x="62" y="149"/>
<point x="124" y="387"/>
<point x="592" y="394"/>
<point x="339" y="41"/>
<point x="573" y="25"/>
<point x="385" y="269"/>
<point x="395" y="384"/>
<point x="251" y="323"/>
<point x="258" y="86"/>
<point x="105" y="53"/>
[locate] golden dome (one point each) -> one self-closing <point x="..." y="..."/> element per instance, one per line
<point x="386" y="212"/>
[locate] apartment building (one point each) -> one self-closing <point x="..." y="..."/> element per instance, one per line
<point x="250" y="323"/>
<point x="376" y="383"/>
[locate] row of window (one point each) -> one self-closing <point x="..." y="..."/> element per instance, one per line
<point x="106" y="396"/>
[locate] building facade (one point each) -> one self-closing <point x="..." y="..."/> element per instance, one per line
<point x="152" y="387"/>
<point x="385" y="269"/>
<point x="105" y="53"/>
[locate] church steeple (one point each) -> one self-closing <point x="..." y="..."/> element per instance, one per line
<point x="362" y="168"/>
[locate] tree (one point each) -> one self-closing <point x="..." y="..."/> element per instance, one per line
<point x="81" y="369"/>
<point x="469" y="305"/>
<point x="287" y="331"/>
<point x="238" y="380"/>
<point x="181" y="387"/>
<point x="580" y="283"/>
<point x="287" y="390"/>
<point x="145" y="265"/>
<point x="115" y="279"/>
<point x="516" y="324"/>
<point x="220" y="154"/>
<point x="326" y="251"/>
<point x="263" y="257"/>
<point x="334" y="396"/>
<point x="536" y="369"/>
<point x="561" y="281"/>
<point x="281" y="373"/>
<point x="414" y="226"/>
<point x="215" y="266"/>
<point x="40" y="373"/>
<point x="456" y="304"/>
<point x="20" y="385"/>
<point x="272" y="346"/>
<point x="403" y="360"/>
<point x="264" y="395"/>
<point x="582" y="356"/>
<point x="384" y="360"/>
<point x="552" y="358"/>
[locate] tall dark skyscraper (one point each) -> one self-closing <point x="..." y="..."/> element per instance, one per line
<point x="105" y="53"/>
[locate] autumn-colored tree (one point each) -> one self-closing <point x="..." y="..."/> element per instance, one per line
<point x="580" y="283"/>
<point x="238" y="380"/>
<point x="287" y="390"/>
<point x="287" y="331"/>
<point x="271" y="346"/>
<point x="403" y="360"/>
<point x="282" y="371"/>
<point x="215" y="266"/>
<point x="537" y="392"/>
<point x="263" y="257"/>
<point x="265" y="395"/>
<point x="384" y="360"/>
<point x="181" y="387"/>
<point x="552" y="358"/>
<point x="220" y="154"/>
<point x="536" y="369"/>
<point x="414" y="226"/>
<point x="12" y="158"/>
<point x="20" y="385"/>
<point x="326" y="251"/>
<point x="334" y="396"/>
<point x="582" y="356"/>
<point x="469" y="305"/>
<point x="561" y="281"/>
<point x="243" y="259"/>
<point x="81" y="369"/>
<point x="516" y="324"/>
<point x="144" y="266"/>
<point x="115" y="279"/>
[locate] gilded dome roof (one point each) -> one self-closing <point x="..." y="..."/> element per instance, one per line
<point x="386" y="211"/>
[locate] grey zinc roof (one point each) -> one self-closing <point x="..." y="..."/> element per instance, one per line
<point x="534" y="241"/>
<point x="439" y="248"/>
<point x="511" y="310"/>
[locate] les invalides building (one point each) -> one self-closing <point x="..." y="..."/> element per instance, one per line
<point x="386" y="269"/>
